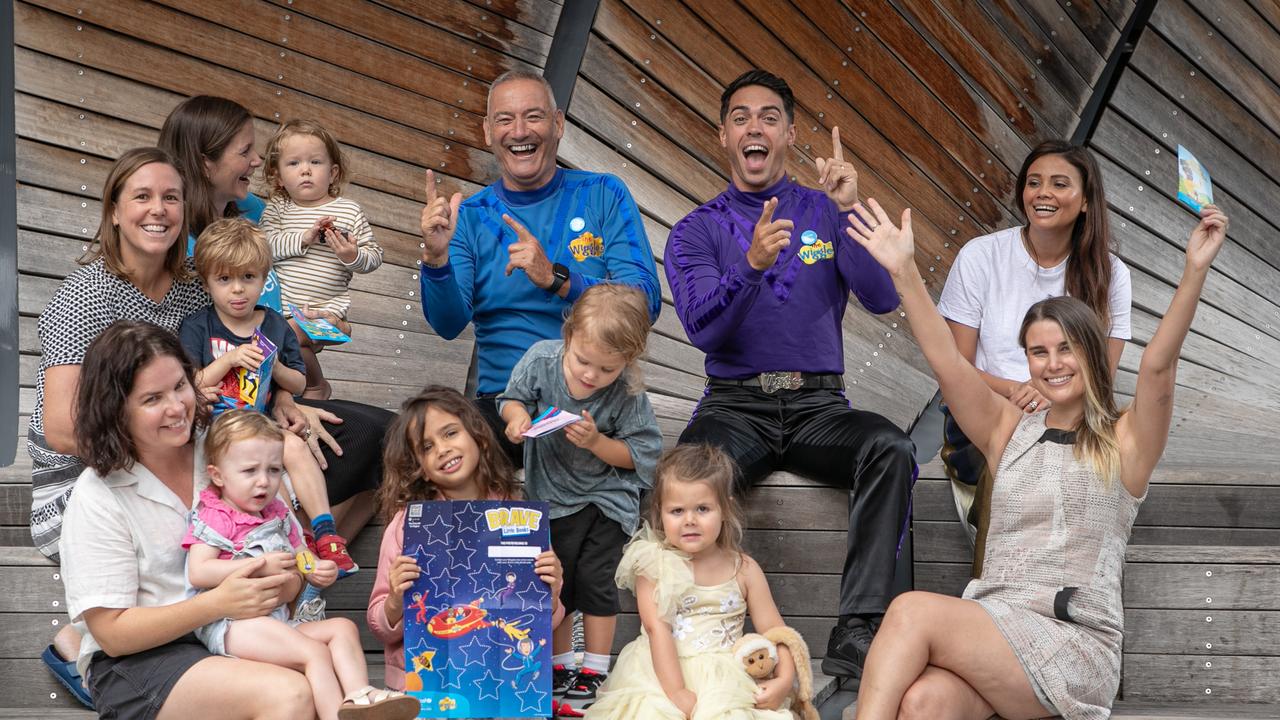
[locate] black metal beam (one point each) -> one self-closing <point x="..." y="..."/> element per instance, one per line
<point x="8" y="246"/>
<point x="568" y="46"/>
<point x="1115" y="67"/>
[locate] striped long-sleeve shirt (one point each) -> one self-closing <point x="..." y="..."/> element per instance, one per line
<point x="315" y="275"/>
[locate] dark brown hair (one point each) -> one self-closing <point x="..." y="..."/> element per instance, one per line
<point x="111" y="364"/>
<point x="402" y="478"/>
<point x="200" y="129"/>
<point x="1088" y="275"/>
<point x="766" y="80"/>
<point x="270" y="166"/>
<point x="1096" y="431"/>
<point x="698" y="462"/>
<point x="106" y="243"/>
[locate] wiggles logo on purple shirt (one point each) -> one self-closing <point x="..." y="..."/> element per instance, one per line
<point x="814" y="249"/>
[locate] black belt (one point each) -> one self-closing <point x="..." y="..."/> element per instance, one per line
<point x="772" y="382"/>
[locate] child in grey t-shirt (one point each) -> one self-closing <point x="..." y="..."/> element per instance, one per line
<point x="591" y="472"/>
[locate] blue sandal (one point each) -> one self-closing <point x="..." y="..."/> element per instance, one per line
<point x="67" y="674"/>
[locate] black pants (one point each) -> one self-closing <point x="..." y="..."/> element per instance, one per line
<point x="489" y="409"/>
<point x="816" y="434"/>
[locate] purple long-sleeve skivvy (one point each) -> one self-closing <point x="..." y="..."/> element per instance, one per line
<point x="787" y="317"/>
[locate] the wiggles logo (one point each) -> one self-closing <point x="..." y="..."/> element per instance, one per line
<point x="820" y="250"/>
<point x="513" y="521"/>
<point x="586" y="245"/>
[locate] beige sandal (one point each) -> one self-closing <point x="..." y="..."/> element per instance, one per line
<point x="370" y="703"/>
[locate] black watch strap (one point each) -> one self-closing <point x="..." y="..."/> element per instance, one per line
<point x="560" y="276"/>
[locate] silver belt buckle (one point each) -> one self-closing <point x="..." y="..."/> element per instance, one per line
<point x="772" y="382"/>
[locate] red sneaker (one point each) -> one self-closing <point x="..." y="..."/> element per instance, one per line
<point x="333" y="547"/>
<point x="562" y="709"/>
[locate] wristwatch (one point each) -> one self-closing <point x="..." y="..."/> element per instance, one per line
<point x="560" y="276"/>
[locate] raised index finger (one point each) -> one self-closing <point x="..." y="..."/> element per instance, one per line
<point x="837" y="152"/>
<point x="431" y="188"/>
<point x="521" y="232"/>
<point x="766" y="212"/>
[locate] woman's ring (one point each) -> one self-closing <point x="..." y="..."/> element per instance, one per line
<point x="306" y="435"/>
<point x="1030" y="406"/>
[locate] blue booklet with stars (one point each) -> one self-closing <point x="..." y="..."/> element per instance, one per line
<point x="477" y="622"/>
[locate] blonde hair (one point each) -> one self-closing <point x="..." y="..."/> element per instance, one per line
<point x="701" y="463"/>
<point x="106" y="243"/>
<point x="233" y="426"/>
<point x="1096" y="438"/>
<point x="231" y="245"/>
<point x="270" y="165"/>
<point x="617" y="317"/>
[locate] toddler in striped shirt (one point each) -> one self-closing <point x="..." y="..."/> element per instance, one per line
<point x="318" y="238"/>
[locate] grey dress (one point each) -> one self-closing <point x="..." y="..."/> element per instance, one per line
<point x="1052" y="569"/>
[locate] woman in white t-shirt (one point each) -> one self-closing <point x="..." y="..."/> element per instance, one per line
<point x="1063" y="249"/>
<point x="138" y="431"/>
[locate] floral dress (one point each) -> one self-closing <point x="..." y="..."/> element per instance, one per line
<point x="705" y="621"/>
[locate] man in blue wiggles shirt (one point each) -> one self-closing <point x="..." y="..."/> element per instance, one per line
<point x="513" y="256"/>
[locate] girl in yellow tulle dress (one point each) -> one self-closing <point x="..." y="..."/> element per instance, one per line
<point x="693" y="587"/>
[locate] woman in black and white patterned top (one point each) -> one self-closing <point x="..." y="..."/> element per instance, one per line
<point x="135" y="270"/>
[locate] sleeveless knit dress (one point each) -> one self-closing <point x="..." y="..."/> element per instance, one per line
<point x="705" y="622"/>
<point x="1053" y="566"/>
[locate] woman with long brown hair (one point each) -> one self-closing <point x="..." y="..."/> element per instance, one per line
<point x="212" y="141"/>
<point x="1040" y="632"/>
<point x="1064" y="247"/>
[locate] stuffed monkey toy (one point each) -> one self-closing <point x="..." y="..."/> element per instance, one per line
<point x="759" y="656"/>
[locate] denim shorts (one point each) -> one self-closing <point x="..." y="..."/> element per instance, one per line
<point x="135" y="687"/>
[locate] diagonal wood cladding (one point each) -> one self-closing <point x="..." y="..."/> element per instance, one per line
<point x="937" y="101"/>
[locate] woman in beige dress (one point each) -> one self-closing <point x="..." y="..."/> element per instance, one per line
<point x="1039" y="634"/>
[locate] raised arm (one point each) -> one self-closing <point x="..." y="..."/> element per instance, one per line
<point x="1144" y="429"/>
<point x="712" y="301"/>
<point x="448" y="269"/>
<point x="983" y="414"/>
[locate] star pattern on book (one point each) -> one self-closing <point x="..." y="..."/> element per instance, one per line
<point x="437" y="531"/>
<point x="484" y="581"/>
<point x="445" y="583"/>
<point x="420" y="648"/>
<point x="468" y="519"/>
<point x="488" y="685"/>
<point x="532" y="699"/>
<point x="450" y="675"/>
<point x="532" y="596"/>
<point x="475" y="651"/>
<point x="460" y="555"/>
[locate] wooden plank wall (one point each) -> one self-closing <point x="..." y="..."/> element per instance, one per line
<point x="937" y="101"/>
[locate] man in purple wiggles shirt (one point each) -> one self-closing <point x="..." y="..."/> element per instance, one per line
<point x="761" y="277"/>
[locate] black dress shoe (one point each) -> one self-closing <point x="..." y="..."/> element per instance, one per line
<point x="848" y="647"/>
